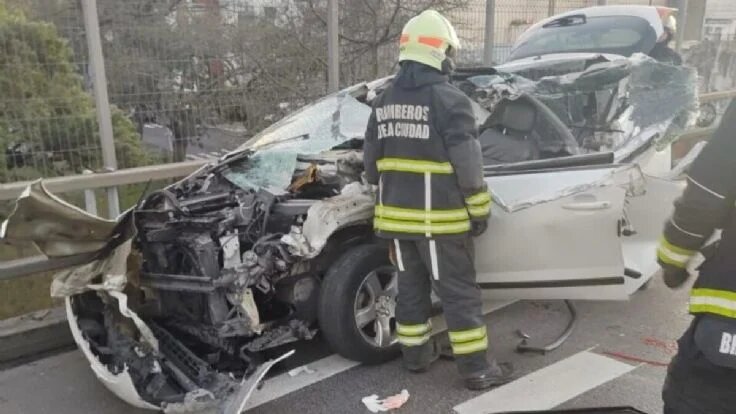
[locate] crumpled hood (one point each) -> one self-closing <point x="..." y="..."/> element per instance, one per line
<point x="55" y="227"/>
<point x="553" y="59"/>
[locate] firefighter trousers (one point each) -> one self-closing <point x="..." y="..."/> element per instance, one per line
<point x="694" y="384"/>
<point x="449" y="265"/>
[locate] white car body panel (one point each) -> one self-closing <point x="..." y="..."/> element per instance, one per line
<point x="560" y="228"/>
<point x="647" y="215"/>
<point x="119" y="384"/>
<point x="570" y="241"/>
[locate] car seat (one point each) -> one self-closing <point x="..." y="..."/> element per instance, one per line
<point x="507" y="135"/>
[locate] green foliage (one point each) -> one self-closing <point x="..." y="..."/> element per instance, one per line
<point x="128" y="148"/>
<point x="44" y="106"/>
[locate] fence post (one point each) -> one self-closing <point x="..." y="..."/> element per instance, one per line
<point x="681" y="24"/>
<point x="333" y="53"/>
<point x="90" y="202"/>
<point x="102" y="103"/>
<point x="552" y="7"/>
<point x="488" y="35"/>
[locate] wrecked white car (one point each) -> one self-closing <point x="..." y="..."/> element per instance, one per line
<point x="184" y="297"/>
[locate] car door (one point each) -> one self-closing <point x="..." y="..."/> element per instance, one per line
<point x="555" y="234"/>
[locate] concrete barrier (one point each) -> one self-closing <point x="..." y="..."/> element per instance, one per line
<point x="28" y="336"/>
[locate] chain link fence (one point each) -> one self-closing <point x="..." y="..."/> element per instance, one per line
<point x="192" y="79"/>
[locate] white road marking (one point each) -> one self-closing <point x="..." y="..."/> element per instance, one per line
<point x="551" y="386"/>
<point x="324" y="368"/>
<point x="284" y="384"/>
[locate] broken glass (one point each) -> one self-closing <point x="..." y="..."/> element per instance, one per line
<point x="616" y="105"/>
<point x="316" y="128"/>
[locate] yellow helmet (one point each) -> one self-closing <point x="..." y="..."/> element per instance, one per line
<point x="427" y="38"/>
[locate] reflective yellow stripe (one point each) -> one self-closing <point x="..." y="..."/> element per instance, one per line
<point x="422" y="228"/>
<point x="663" y="242"/>
<point x="673" y="255"/>
<point x="716" y="293"/>
<point x="413" y="340"/>
<point x="413" y="166"/>
<point x="667" y="258"/>
<point x="468" y="335"/>
<point x="719" y="302"/>
<point x="478" y="199"/>
<point x="413" y="330"/>
<point x="465" y="348"/>
<point x="714" y="309"/>
<point x="398" y="213"/>
<point x="480" y="211"/>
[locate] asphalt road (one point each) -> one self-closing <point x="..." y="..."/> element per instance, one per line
<point x="615" y="357"/>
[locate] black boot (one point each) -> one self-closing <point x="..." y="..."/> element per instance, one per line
<point x="417" y="359"/>
<point x="479" y="374"/>
<point x="496" y="374"/>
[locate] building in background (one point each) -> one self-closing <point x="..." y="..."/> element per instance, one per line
<point x="720" y="20"/>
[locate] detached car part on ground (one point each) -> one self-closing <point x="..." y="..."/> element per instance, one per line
<point x="184" y="297"/>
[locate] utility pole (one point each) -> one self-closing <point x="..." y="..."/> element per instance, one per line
<point x="102" y="103"/>
<point x="552" y="7"/>
<point x="333" y="47"/>
<point x="488" y="36"/>
<point x="681" y="24"/>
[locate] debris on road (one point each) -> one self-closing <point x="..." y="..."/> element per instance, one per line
<point x="390" y="403"/>
<point x="669" y="347"/>
<point x="40" y="315"/>
<point x="632" y="358"/>
<point x="301" y="370"/>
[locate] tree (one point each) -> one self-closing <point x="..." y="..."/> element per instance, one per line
<point x="47" y="120"/>
<point x="196" y="63"/>
<point x="370" y="30"/>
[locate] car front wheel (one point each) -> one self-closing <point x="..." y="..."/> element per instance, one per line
<point x="357" y="305"/>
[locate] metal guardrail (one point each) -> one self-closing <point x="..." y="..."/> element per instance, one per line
<point x="127" y="176"/>
<point x="716" y="96"/>
<point x="23" y="267"/>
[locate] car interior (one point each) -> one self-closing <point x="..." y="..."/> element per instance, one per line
<point x="520" y="135"/>
<point x="510" y="137"/>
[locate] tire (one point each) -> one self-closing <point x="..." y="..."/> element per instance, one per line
<point x="339" y="297"/>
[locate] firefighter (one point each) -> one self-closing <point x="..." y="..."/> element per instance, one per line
<point x="702" y="376"/>
<point x="421" y="150"/>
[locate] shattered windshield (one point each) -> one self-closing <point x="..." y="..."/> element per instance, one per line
<point x="316" y="128"/>
<point x="620" y="35"/>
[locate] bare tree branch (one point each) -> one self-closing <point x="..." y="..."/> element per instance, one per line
<point x="323" y="21"/>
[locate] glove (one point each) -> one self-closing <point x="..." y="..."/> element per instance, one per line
<point x="478" y="227"/>
<point x="674" y="277"/>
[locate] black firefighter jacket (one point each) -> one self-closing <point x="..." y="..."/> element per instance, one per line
<point x="706" y="205"/>
<point x="421" y="150"/>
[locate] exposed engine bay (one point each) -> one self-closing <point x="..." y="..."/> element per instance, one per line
<point x="200" y="283"/>
<point x="217" y="286"/>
